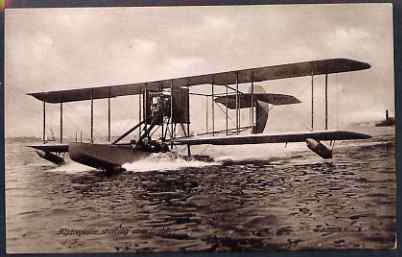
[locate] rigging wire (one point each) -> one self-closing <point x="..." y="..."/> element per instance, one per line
<point x="304" y="123"/>
<point x="224" y="112"/>
<point x="77" y="124"/>
<point x="72" y="122"/>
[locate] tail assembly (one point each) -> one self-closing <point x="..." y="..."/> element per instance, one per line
<point x="261" y="114"/>
<point x="260" y="100"/>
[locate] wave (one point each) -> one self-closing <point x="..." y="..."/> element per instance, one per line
<point x="164" y="162"/>
<point x="71" y="167"/>
<point x="261" y="152"/>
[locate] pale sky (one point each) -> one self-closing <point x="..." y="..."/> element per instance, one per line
<point x="54" y="49"/>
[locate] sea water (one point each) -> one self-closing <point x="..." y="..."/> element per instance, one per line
<point x="258" y="197"/>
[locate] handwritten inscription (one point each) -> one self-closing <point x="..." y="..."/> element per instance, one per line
<point x="117" y="232"/>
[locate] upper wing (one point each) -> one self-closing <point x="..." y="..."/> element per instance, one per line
<point x="273" y="138"/>
<point x="247" y="99"/>
<point x="282" y="71"/>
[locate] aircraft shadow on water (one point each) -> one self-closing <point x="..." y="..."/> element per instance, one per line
<point x="165" y="103"/>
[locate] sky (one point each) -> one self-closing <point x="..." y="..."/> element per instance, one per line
<point x="54" y="49"/>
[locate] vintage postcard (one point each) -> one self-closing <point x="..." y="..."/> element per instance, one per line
<point x="200" y="128"/>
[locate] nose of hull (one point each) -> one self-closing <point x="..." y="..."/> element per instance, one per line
<point x="89" y="155"/>
<point x="102" y="156"/>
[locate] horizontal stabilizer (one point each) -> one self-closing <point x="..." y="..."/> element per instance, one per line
<point x="282" y="71"/>
<point x="274" y="138"/>
<point x="56" y="148"/>
<point x="246" y="99"/>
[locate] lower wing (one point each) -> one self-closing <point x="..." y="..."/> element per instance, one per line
<point x="273" y="138"/>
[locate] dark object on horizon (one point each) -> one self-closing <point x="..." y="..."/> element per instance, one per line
<point x="389" y="121"/>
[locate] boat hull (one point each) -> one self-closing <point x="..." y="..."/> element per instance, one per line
<point x="51" y="157"/>
<point x="104" y="156"/>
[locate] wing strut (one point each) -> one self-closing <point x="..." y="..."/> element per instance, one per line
<point x="237" y="103"/>
<point x="326" y="101"/>
<point x="239" y="106"/>
<point x="212" y="108"/>
<point x="61" y="122"/>
<point x="139" y="115"/>
<point x="252" y="103"/>
<point x="92" y="117"/>
<point x="44" y="122"/>
<point x="171" y="114"/>
<point x="188" y="125"/>
<point x="145" y="105"/>
<point x="128" y="132"/>
<point x="206" y="115"/>
<point x="312" y="100"/>
<point x="108" y="118"/>
<point x="227" y="114"/>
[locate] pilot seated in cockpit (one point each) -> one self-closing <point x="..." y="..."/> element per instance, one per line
<point x="148" y="145"/>
<point x="156" y="109"/>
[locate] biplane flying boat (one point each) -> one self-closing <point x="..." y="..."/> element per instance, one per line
<point x="164" y="104"/>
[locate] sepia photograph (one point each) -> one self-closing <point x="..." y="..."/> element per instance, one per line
<point x="200" y="129"/>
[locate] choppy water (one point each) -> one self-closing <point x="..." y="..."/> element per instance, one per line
<point x="284" y="199"/>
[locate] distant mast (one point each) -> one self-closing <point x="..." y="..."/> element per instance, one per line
<point x="389" y="121"/>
